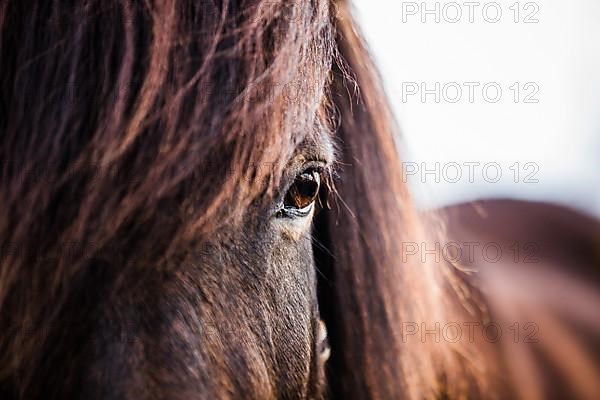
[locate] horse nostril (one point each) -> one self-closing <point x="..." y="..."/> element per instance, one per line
<point x="323" y="348"/>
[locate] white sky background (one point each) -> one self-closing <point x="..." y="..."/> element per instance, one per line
<point x="559" y="135"/>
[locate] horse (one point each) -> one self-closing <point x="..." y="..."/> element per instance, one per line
<point x="204" y="199"/>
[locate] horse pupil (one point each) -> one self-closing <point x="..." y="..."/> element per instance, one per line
<point x="303" y="191"/>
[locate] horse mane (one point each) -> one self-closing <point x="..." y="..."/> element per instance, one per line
<point x="370" y="292"/>
<point x="367" y="293"/>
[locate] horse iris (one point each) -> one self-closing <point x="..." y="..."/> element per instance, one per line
<point x="303" y="191"/>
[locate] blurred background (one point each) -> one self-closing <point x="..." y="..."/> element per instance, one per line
<point x="494" y="99"/>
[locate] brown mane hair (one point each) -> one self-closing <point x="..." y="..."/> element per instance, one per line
<point x="371" y="293"/>
<point x="131" y="130"/>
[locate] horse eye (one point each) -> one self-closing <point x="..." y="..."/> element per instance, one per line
<point x="303" y="192"/>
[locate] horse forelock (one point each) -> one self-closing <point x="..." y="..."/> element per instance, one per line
<point x="150" y="126"/>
